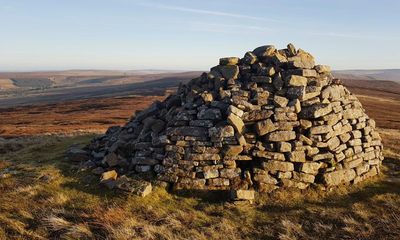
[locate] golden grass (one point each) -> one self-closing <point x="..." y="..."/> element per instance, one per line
<point x="46" y="197"/>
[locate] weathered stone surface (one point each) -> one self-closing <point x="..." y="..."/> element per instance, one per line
<point x="187" y="131"/>
<point x="233" y="150"/>
<point x="304" y="72"/>
<point x="238" y="112"/>
<point x="316" y="111"/>
<point x="157" y="125"/>
<point x="323" y="156"/>
<point x="230" y="173"/>
<point x="269" y="155"/>
<point x="302" y="60"/>
<point x="209" y="114"/>
<point x="332" y="92"/>
<point x="280" y="101"/>
<point x="272" y="119"/>
<point x="242" y="194"/>
<point x="109" y="176"/>
<point x="140" y="188"/>
<point x="320" y="129"/>
<point x="333" y="143"/>
<point x="303" y="177"/>
<point x="257" y="115"/>
<point x="201" y="123"/>
<point x="296" y="81"/>
<point x="297" y="156"/>
<point x="338" y="177"/>
<point x="229" y="61"/>
<point x="236" y="122"/>
<point x="284" y="147"/>
<point x="249" y="58"/>
<point x="221" y="132"/>
<point x="264" y="51"/>
<point x="281" y="136"/>
<point x="278" y="166"/>
<point x="322" y="68"/>
<point x="111" y="159"/>
<point x="310" y="167"/>
<point x="353" y="163"/>
<point x="229" y="71"/>
<point x="142" y="168"/>
<point x="261" y="79"/>
<point x="264" y="127"/>
<point x="284" y="175"/>
<point x="211" y="173"/>
<point x="352" y="113"/>
<point x="265" y="178"/>
<point x="204" y="157"/>
<point x="291" y="49"/>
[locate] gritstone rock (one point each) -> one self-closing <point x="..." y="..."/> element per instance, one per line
<point x="268" y="120"/>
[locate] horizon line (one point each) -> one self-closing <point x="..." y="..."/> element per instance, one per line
<point x="165" y="70"/>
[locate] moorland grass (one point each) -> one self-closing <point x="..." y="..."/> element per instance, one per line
<point x="43" y="196"/>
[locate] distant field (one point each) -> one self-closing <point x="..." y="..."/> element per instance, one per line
<point x="375" y="74"/>
<point x="80" y="78"/>
<point x="37" y="90"/>
<point x="32" y="82"/>
<point x="6" y="84"/>
<point x="95" y="109"/>
<point x="73" y="117"/>
<point x="381" y="100"/>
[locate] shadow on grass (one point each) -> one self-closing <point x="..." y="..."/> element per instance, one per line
<point x="207" y="196"/>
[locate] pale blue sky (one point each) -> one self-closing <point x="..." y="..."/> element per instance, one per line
<point x="193" y="35"/>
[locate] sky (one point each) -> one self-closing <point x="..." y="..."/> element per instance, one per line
<point x="192" y="35"/>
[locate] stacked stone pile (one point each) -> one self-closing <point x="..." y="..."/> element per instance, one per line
<point x="270" y="119"/>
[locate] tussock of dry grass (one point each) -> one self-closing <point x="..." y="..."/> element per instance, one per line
<point x="47" y="198"/>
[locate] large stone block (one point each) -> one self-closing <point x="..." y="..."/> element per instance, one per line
<point x="278" y="166"/>
<point x="229" y="71"/>
<point x="302" y="60"/>
<point x="281" y="136"/>
<point x="297" y="156"/>
<point x="296" y="81"/>
<point x="310" y="167"/>
<point x="320" y="129"/>
<point x="242" y="194"/>
<point x="316" y="111"/>
<point x="257" y="115"/>
<point x="264" y="127"/>
<point x="229" y="61"/>
<point x="303" y="177"/>
<point x="264" y="51"/>
<point x="233" y="150"/>
<point x="338" y="177"/>
<point x="236" y="122"/>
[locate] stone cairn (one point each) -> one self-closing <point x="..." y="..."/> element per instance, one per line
<point x="268" y="120"/>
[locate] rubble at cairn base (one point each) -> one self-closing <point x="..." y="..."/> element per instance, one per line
<point x="268" y="120"/>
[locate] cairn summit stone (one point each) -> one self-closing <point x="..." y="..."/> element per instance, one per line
<point x="269" y="120"/>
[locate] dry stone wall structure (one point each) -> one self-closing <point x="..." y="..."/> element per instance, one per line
<point x="270" y="119"/>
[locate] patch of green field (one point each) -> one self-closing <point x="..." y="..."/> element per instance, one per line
<point x="43" y="196"/>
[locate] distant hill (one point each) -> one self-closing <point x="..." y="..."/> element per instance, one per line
<point x="21" y="81"/>
<point x="377" y="74"/>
